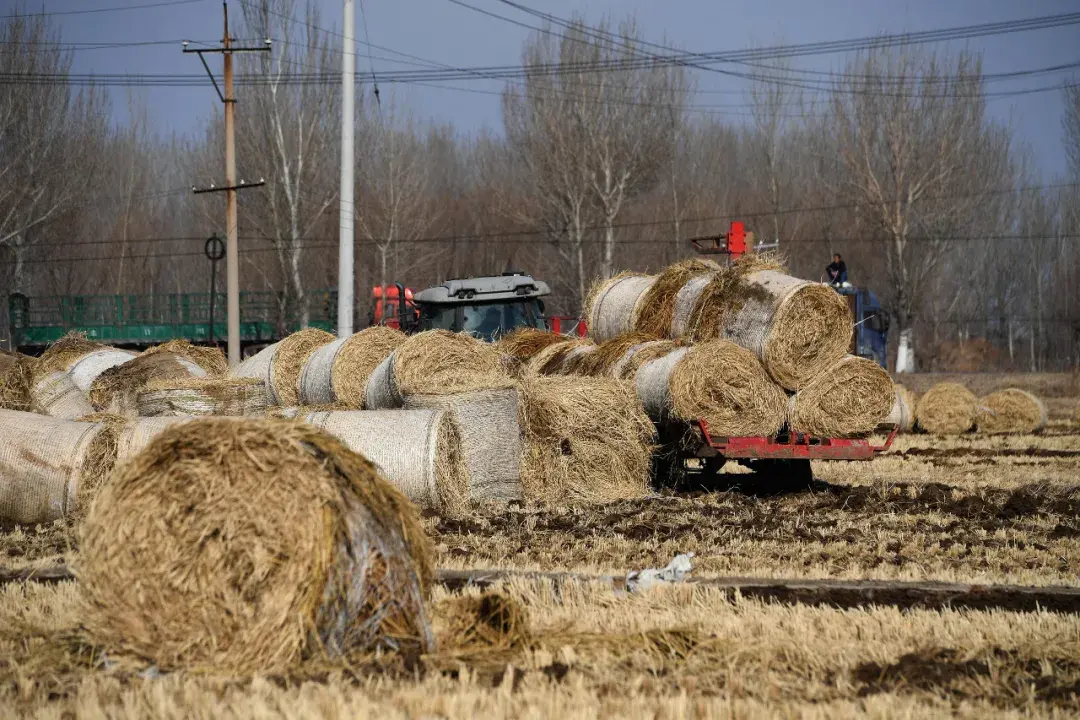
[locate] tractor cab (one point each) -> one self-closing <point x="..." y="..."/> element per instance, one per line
<point x="485" y="307"/>
<point x="871" y="336"/>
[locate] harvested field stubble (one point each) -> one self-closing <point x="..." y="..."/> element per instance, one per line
<point x="1010" y="411"/>
<point x="946" y="409"/>
<point x="251" y="547"/>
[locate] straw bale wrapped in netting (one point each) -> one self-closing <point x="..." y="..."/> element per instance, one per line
<point x="16" y="380"/>
<point x="55" y="394"/>
<point x="612" y="306"/>
<point x="251" y="547"/>
<point x="550" y="360"/>
<point x="796" y="328"/>
<point x="709" y="293"/>
<point x="419" y="452"/>
<point x="183" y="397"/>
<point x="1010" y="411"/>
<point x="339" y="371"/>
<point x="657" y="309"/>
<point x="902" y="414"/>
<point x="627" y="366"/>
<point x="289" y="360"/>
<point x="946" y="409"/>
<point x="137" y="433"/>
<point x="852" y="397"/>
<point x="83" y="359"/>
<point x="523" y="344"/>
<point x="260" y="366"/>
<point x="718" y="382"/>
<point x="117" y="389"/>
<point x="435" y="362"/>
<point x="297" y="411"/>
<point x="48" y="465"/>
<point x="586" y="440"/>
<point x="608" y="356"/>
<point x="487" y="422"/>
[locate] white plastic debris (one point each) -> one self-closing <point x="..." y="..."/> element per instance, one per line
<point x="675" y="571"/>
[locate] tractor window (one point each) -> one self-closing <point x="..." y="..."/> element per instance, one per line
<point x="489" y="321"/>
<point x="438" y="317"/>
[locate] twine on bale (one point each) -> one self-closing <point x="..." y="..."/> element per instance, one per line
<point x="183" y="397"/>
<point x="357" y="359"/>
<point x="707" y="300"/>
<point x="56" y="395"/>
<point x="657" y="310"/>
<point x="946" y="409"/>
<point x="299" y="411"/>
<point x="1010" y="411"/>
<point x="487" y="422"/>
<point x="419" y="452"/>
<point x="289" y="361"/>
<point x="902" y="414"/>
<point x="586" y="440"/>
<point x="852" y="397"/>
<point x="260" y="366"/>
<point x="43" y="462"/>
<point x="16" y="380"/>
<point x="251" y="547"/>
<point x="89" y="367"/>
<point x="435" y="362"/>
<point x="612" y="305"/>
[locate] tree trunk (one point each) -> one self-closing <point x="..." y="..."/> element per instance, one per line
<point x="905" y="351"/>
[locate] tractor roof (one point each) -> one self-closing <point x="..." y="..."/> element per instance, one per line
<point x="508" y="286"/>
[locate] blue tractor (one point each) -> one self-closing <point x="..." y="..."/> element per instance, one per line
<point x="871" y="336"/>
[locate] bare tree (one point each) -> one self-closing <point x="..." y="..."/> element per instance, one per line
<point x="1071" y="124"/>
<point x="287" y="134"/>
<point x="919" y="156"/>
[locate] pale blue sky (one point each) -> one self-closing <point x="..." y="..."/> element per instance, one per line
<point x="440" y="31"/>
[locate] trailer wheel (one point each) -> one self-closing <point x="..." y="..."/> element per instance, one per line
<point x="784" y="476"/>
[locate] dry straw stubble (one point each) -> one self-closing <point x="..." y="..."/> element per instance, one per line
<point x="586" y="440"/>
<point x="1010" y="411"/>
<point x="289" y="361"/>
<point x="658" y="303"/>
<point x="358" y="358"/>
<point x="946" y="409"/>
<point x="852" y="397"/>
<point x="249" y="547"/>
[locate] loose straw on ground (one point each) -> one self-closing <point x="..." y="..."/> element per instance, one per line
<point x="1010" y="411"/>
<point x="183" y="397"/>
<point x="586" y="440"/>
<point x="946" y="409"/>
<point x="435" y="362"/>
<point x="251" y="547"/>
<point x="338" y="371"/>
<point x="852" y="397"/>
<point x="613" y="305"/>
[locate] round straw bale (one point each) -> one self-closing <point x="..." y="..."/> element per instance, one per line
<point x="136" y="434"/>
<point x="419" y="451"/>
<point x="16" y="380"/>
<point x="602" y="361"/>
<point x="116" y="390"/>
<point x="586" y="440"/>
<point x="796" y="328"/>
<point x="60" y="355"/>
<point x="43" y="462"/>
<point x="260" y="366"/>
<point x="626" y="368"/>
<point x="210" y="359"/>
<point x="289" y="361"/>
<point x="86" y="369"/>
<point x="250" y="547"/>
<point x="657" y="309"/>
<point x="519" y="346"/>
<point x="902" y="414"/>
<point x="549" y="361"/>
<point x="358" y="358"/>
<point x="435" y="362"/>
<point x="100" y="459"/>
<point x="852" y="397"/>
<point x="55" y="394"/>
<point x="487" y="422"/>
<point x="184" y="397"/>
<point x="577" y="361"/>
<point x="299" y="411"/>
<point x="946" y="409"/>
<point x="613" y="305"/>
<point x="1010" y="411"/>
<point x="722" y="384"/>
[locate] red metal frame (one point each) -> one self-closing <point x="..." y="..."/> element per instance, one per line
<point x="796" y="446"/>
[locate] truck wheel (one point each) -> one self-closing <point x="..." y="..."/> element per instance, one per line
<point x="784" y="476"/>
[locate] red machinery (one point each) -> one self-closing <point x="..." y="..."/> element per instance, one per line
<point x="567" y="325"/>
<point x="734" y="243"/>
<point x="387" y="309"/>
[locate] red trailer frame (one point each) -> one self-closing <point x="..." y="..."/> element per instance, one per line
<point x="791" y="446"/>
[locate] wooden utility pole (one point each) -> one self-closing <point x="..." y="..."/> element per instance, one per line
<point x="232" y="251"/>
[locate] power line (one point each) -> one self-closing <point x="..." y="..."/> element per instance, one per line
<point x="120" y="8"/>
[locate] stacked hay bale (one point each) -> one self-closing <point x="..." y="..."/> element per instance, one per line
<point x="420" y="452"/>
<point x="520" y="346"/>
<point x="656" y="316"/>
<point x="50" y="467"/>
<point x="279" y="365"/>
<point x="613" y="305"/>
<point x="1010" y="411"/>
<point x="116" y="390"/>
<point x="16" y="380"/>
<point x="183" y="397"/>
<point x="852" y="397"/>
<point x="329" y="562"/>
<point x="83" y="359"/>
<point x="946" y="409"/>
<point x="339" y="370"/>
<point x="558" y="357"/>
<point x="55" y="393"/>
